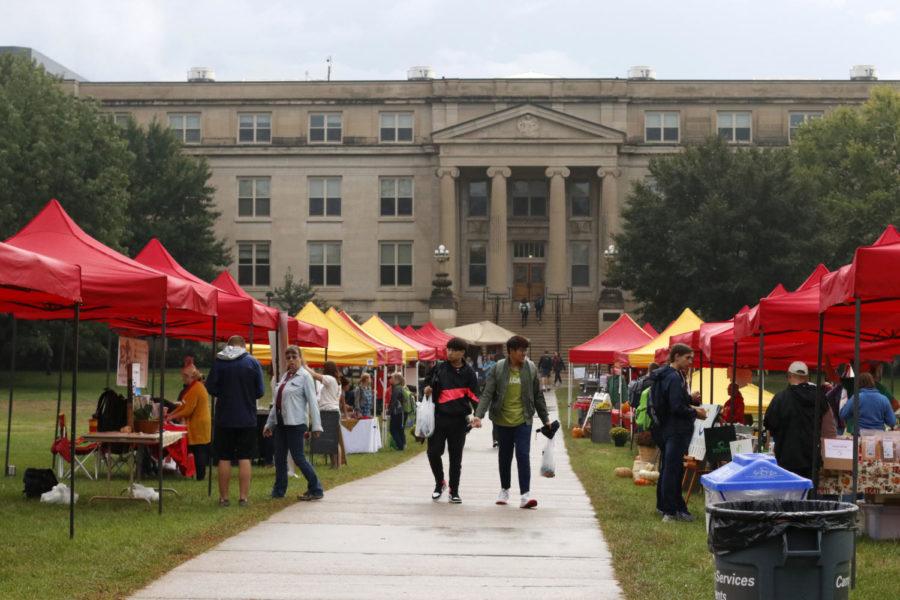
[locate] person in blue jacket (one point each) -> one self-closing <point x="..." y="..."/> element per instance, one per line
<point x="874" y="407"/>
<point x="236" y="380"/>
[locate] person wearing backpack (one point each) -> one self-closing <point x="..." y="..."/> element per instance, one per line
<point x="669" y="405"/>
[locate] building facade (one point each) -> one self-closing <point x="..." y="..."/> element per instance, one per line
<point x="352" y="185"/>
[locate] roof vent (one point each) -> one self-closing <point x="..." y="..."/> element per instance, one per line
<point x="201" y="74"/>
<point x="641" y="73"/>
<point x="863" y="73"/>
<point x="419" y="73"/>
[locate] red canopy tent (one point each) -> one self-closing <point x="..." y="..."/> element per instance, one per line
<point x="649" y="329"/>
<point x="433" y="333"/>
<point x="32" y="282"/>
<point x="426" y="352"/>
<point x="439" y="347"/>
<point x="620" y="336"/>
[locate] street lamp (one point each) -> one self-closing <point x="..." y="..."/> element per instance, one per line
<point x="269" y="296"/>
<point x="441" y="254"/>
<point x="611" y="296"/>
<point x="441" y="296"/>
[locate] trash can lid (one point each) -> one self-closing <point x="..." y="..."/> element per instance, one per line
<point x="749" y="457"/>
<point x="760" y="474"/>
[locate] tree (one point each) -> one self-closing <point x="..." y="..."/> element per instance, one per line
<point x="292" y="296"/>
<point x="170" y="200"/>
<point x="850" y="160"/>
<point x="713" y="229"/>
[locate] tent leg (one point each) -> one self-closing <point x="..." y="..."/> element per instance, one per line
<point x="162" y="404"/>
<point x="701" y="374"/>
<point x="72" y="430"/>
<point x="12" y="379"/>
<point x="62" y="362"/>
<point x="212" y="412"/>
<point x="108" y="351"/>
<point x="734" y="388"/>
<point x="855" y="487"/>
<point x="817" y="416"/>
<point x="569" y="398"/>
<point x="150" y="370"/>
<point x="251" y="337"/>
<point x="762" y="382"/>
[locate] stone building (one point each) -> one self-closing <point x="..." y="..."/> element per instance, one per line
<point x="352" y="185"/>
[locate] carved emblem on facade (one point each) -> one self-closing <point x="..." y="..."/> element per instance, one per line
<point x="528" y="125"/>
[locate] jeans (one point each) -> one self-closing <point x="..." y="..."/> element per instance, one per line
<point x="201" y="458"/>
<point x="290" y="438"/>
<point x="515" y="440"/>
<point x="675" y="446"/>
<point x="449" y="430"/>
<point x="397" y="431"/>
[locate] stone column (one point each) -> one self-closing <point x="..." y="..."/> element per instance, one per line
<point x="450" y="221"/>
<point x="498" y="261"/>
<point x="556" y="264"/>
<point x="609" y="201"/>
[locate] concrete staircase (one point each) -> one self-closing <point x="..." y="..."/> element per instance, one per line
<point x="578" y="322"/>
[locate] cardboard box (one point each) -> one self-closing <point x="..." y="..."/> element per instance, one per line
<point x="837" y="454"/>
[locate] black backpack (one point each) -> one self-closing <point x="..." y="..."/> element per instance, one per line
<point x="38" y="481"/>
<point x="657" y="407"/>
<point x="111" y="413"/>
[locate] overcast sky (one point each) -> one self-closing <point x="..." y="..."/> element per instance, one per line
<point x="158" y="40"/>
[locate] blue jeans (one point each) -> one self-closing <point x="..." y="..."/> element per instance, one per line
<point x="675" y="445"/>
<point x="290" y="437"/>
<point x="515" y="440"/>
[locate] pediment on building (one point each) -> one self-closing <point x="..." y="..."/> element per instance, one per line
<point x="528" y="123"/>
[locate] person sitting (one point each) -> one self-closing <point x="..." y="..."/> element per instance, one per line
<point x="194" y="410"/>
<point x="874" y="407"/>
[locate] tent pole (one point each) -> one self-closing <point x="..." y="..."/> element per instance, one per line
<point x="251" y="337"/>
<point x="276" y="357"/>
<point x="150" y="370"/>
<point x="631" y="409"/>
<point x="212" y="412"/>
<point x="762" y="382"/>
<point x="569" y="397"/>
<point x="108" y="350"/>
<point x="62" y="362"/>
<point x="12" y="379"/>
<point x="817" y="417"/>
<point x="701" y="373"/>
<point x="855" y="425"/>
<point x="72" y="429"/>
<point x="734" y="388"/>
<point x="162" y="403"/>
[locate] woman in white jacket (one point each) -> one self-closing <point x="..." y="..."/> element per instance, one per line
<point x="294" y="412"/>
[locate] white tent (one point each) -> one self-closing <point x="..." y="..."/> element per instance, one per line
<point x="483" y="333"/>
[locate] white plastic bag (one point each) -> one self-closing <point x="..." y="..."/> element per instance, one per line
<point x="58" y="495"/>
<point x="141" y="491"/>
<point x="424" y="419"/>
<point x="548" y="462"/>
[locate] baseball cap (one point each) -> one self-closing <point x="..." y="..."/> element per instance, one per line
<point x="798" y="368"/>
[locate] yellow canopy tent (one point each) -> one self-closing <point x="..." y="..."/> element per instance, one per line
<point x="643" y="356"/>
<point x="378" y="330"/>
<point x="388" y="353"/>
<point x="720" y="395"/>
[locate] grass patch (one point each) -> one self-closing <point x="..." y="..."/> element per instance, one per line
<point x="671" y="560"/>
<point x="120" y="548"/>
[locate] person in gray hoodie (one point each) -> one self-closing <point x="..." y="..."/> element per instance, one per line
<point x="236" y="380"/>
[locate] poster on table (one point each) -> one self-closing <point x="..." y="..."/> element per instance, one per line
<point x="132" y="350"/>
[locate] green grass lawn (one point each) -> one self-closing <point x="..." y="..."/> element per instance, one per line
<point x="119" y="548"/>
<point x="671" y="560"/>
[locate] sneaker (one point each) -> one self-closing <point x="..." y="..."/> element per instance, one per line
<point x="243" y="502"/>
<point x="223" y="502"/>
<point x="438" y="491"/>
<point x="309" y="497"/>
<point x="669" y="519"/>
<point x="684" y="516"/>
<point x="454" y="498"/>
<point x="527" y="502"/>
<point x="503" y="497"/>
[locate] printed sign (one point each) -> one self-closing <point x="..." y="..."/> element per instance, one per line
<point x="734" y="583"/>
<point x="744" y="446"/>
<point x="132" y="351"/>
<point x="697" y="448"/>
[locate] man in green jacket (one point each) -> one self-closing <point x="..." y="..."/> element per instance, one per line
<point x="512" y="394"/>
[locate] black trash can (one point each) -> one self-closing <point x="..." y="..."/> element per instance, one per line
<point x="790" y="549"/>
<point x="601" y="423"/>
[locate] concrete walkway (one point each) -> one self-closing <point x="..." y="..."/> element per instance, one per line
<point x="383" y="537"/>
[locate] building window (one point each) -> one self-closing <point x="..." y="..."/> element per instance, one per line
<point x="478" y="264"/>
<point x="397" y="318"/>
<point x="396" y="263"/>
<point x="325" y="263"/>
<point x="254" y="198"/>
<point x="581" y="252"/>
<point x="186" y="127"/>
<point x="580" y="198"/>
<point x="478" y="198"/>
<point x="122" y="119"/>
<point x="253" y="263"/>
<point x="798" y="119"/>
<point x="254" y="128"/>
<point x="661" y="127"/>
<point x="324" y="196"/>
<point x="325" y="128"/>
<point x="396" y="196"/>
<point x="529" y="199"/>
<point x="528" y="250"/>
<point x="734" y="127"/>
<point x="396" y="127"/>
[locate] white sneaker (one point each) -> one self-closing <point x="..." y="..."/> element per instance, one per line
<point x="527" y="502"/>
<point x="503" y="497"/>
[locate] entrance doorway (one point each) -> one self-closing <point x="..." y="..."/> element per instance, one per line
<point x="528" y="280"/>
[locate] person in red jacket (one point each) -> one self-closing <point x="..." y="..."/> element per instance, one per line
<point x="733" y="411"/>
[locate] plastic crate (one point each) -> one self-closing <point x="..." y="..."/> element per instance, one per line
<point x="882" y="521"/>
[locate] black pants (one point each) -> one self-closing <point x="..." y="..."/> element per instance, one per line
<point x="397" y="431"/>
<point x="675" y="445"/>
<point x="557" y="377"/>
<point x="449" y="430"/>
<point x="201" y="458"/>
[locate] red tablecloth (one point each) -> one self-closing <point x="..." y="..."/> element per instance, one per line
<point x="179" y="452"/>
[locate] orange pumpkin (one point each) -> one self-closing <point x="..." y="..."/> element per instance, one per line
<point x="641" y="481"/>
<point x="577" y="432"/>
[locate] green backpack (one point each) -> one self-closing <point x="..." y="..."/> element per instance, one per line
<point x="641" y="416"/>
<point x="409" y="401"/>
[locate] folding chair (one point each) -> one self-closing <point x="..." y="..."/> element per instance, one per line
<point x="62" y="453"/>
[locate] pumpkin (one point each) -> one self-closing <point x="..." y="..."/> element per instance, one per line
<point x="648" y="475"/>
<point x="622" y="472"/>
<point x="577" y="432"/>
<point x="641" y="481"/>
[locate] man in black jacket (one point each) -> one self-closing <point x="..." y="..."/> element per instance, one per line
<point x="672" y="404"/>
<point x="454" y="387"/>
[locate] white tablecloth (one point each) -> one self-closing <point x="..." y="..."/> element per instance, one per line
<point x="365" y="437"/>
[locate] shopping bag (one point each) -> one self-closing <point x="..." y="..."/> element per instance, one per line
<point x="424" y="419"/>
<point x="548" y="461"/>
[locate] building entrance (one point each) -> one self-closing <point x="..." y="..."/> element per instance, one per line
<point x="528" y="280"/>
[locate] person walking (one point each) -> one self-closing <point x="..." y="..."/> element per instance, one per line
<point x="558" y="367"/>
<point x="454" y="386"/>
<point x="539" y="308"/>
<point x="236" y="380"/>
<point x="672" y="402"/>
<point x="523" y="309"/>
<point x="512" y="395"/>
<point x="194" y="409"/>
<point x="294" y="412"/>
<point x="545" y="365"/>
